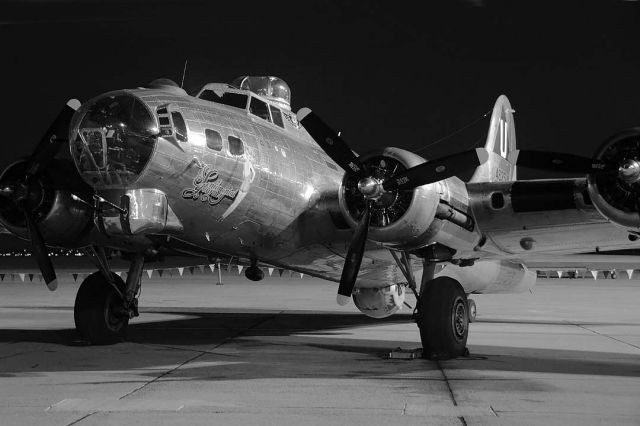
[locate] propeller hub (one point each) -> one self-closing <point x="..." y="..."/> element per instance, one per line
<point x="371" y="188"/>
<point x="629" y="171"/>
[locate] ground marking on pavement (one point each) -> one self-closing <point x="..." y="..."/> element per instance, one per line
<point x="225" y="341"/>
<point x="604" y="335"/>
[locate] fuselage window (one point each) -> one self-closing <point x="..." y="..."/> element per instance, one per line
<point x="236" y="100"/>
<point x="236" y="147"/>
<point x="180" y="126"/>
<point x="277" y="116"/>
<point x="259" y="108"/>
<point x="214" y="140"/>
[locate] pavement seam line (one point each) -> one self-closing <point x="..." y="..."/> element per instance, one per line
<point x="451" y="395"/>
<point x="225" y="341"/>
<point x="446" y="381"/>
<point x="75" y="422"/>
<point x="160" y="376"/>
<point x="606" y="335"/>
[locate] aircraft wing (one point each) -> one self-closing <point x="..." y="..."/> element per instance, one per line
<point x="524" y="219"/>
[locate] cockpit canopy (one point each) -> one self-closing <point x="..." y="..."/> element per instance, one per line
<point x="272" y="88"/>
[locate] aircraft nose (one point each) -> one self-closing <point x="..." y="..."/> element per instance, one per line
<point x="112" y="139"/>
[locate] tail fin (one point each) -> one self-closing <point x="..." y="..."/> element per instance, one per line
<point x="501" y="140"/>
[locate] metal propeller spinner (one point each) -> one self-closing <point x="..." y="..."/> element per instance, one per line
<point x="373" y="188"/>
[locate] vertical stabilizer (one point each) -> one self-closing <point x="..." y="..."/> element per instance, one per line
<point x="501" y="140"/>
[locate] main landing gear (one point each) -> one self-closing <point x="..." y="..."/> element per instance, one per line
<point x="105" y="303"/>
<point x="442" y="311"/>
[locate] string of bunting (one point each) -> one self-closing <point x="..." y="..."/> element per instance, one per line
<point x="202" y="269"/>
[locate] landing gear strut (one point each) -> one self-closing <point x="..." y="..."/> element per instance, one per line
<point x="105" y="303"/>
<point x="442" y="311"/>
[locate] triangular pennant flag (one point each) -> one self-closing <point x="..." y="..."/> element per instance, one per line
<point x="160" y="272"/>
<point x="1" y="277"/>
<point x="594" y="274"/>
<point x="281" y="271"/>
<point x="240" y="268"/>
<point x="301" y="275"/>
<point x="191" y="269"/>
<point x="75" y="277"/>
<point x="31" y="277"/>
<point x="22" y="277"/>
<point x="630" y="273"/>
<point x="149" y="272"/>
<point x="212" y="266"/>
<point x="270" y="271"/>
<point x="201" y="267"/>
<point x="559" y="274"/>
<point x="180" y="271"/>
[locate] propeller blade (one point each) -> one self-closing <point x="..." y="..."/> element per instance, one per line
<point x="56" y="135"/>
<point x="354" y="258"/>
<point x="439" y="169"/>
<point x="335" y="147"/>
<point x="40" y="253"/>
<point x="558" y="161"/>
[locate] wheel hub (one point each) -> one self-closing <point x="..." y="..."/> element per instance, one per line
<point x="459" y="319"/>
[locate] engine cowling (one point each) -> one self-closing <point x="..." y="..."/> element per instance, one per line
<point x="617" y="195"/>
<point x="62" y="220"/>
<point x="379" y="302"/>
<point x="412" y="219"/>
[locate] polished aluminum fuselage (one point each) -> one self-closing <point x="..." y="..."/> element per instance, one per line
<point x="277" y="203"/>
<point x="287" y="185"/>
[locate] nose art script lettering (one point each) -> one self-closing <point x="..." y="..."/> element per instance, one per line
<point x="207" y="188"/>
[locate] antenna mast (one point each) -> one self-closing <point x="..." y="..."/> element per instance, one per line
<point x="184" y="72"/>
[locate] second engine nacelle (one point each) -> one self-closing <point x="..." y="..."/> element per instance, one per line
<point x="379" y="302"/>
<point x="616" y="195"/>
<point x="409" y="220"/>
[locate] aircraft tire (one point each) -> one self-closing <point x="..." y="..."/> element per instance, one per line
<point x="95" y="311"/>
<point x="443" y="319"/>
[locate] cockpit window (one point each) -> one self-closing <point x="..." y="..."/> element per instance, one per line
<point x="236" y="100"/>
<point x="259" y="108"/>
<point x="277" y="116"/>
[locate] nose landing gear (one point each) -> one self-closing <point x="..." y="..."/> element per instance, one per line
<point x="105" y="303"/>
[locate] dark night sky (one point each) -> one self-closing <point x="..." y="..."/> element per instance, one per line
<point x="383" y="73"/>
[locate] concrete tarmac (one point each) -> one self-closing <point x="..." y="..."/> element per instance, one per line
<point x="282" y="352"/>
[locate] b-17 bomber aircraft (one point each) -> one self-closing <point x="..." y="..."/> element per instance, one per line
<point x="234" y="173"/>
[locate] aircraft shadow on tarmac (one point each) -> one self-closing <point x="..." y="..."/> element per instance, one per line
<point x="273" y="344"/>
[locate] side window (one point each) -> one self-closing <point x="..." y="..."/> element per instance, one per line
<point x="236" y="147"/>
<point x="165" y="122"/>
<point x="277" y="116"/>
<point x="214" y="140"/>
<point x="180" y="126"/>
<point x="259" y="108"/>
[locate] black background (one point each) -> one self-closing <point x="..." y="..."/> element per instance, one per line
<point x="384" y="73"/>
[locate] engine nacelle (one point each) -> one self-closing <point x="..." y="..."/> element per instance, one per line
<point x="616" y="195"/>
<point x="492" y="276"/>
<point x="437" y="212"/>
<point x="62" y="220"/>
<point x="379" y="302"/>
